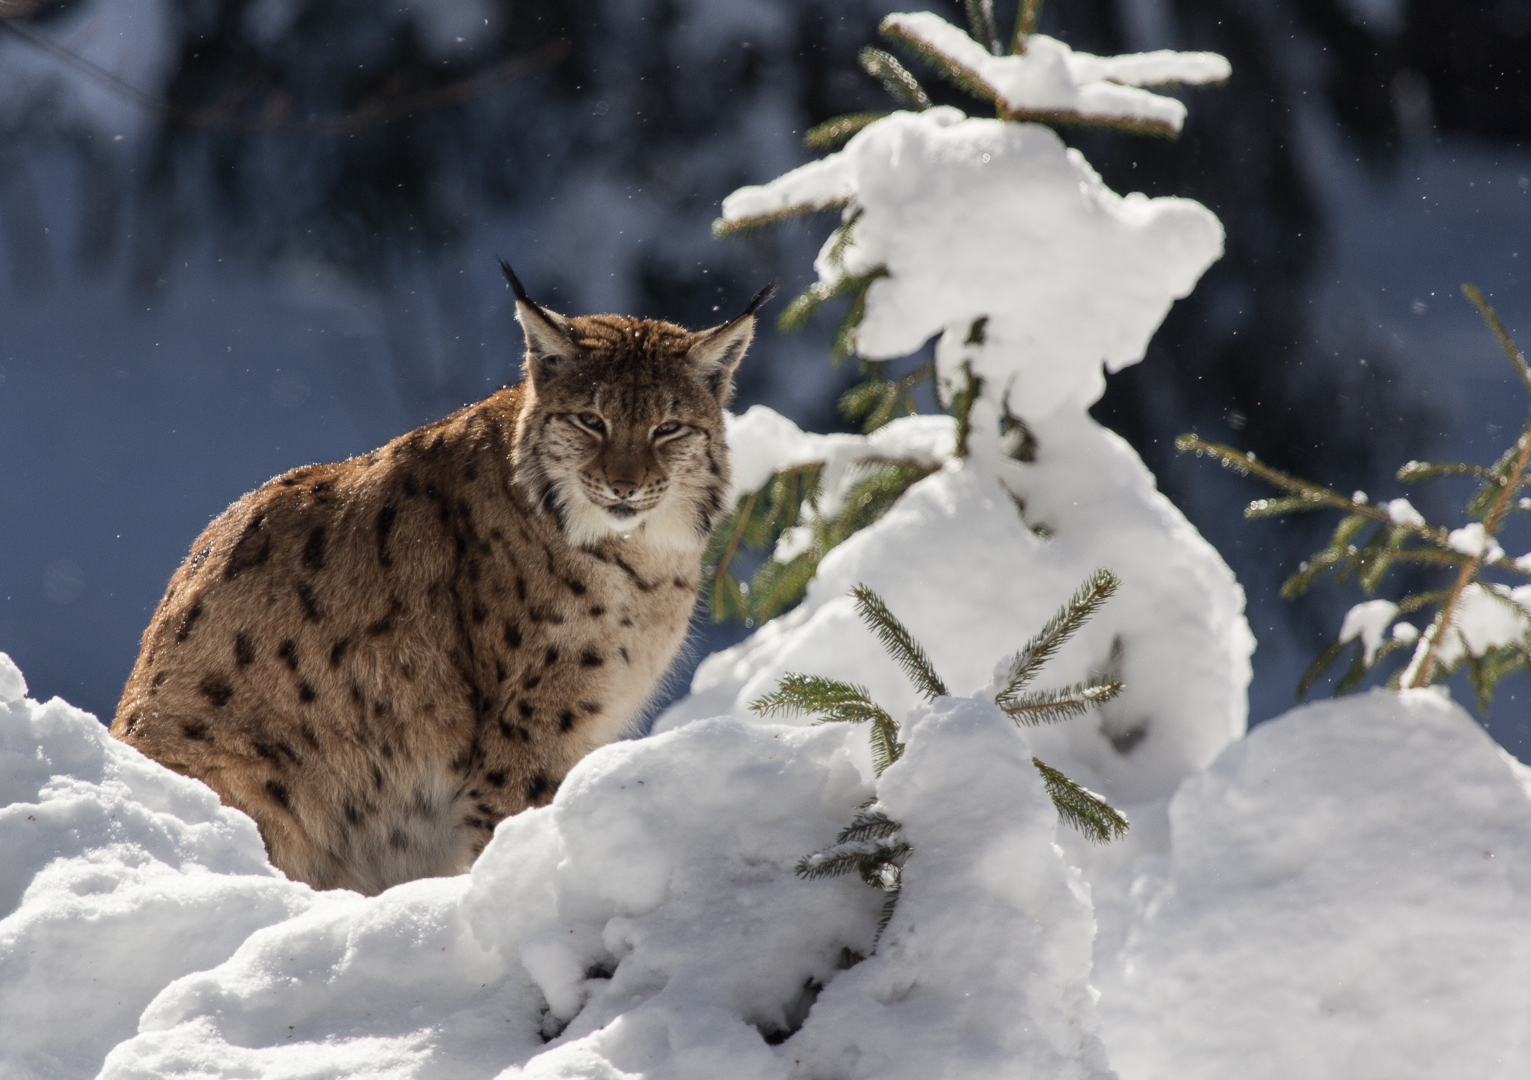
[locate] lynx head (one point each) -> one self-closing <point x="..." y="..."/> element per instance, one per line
<point x="621" y="426"/>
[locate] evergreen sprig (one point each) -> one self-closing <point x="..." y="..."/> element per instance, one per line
<point x="1370" y="541"/>
<point x="835" y="131"/>
<point x="792" y="499"/>
<point x="1081" y="807"/>
<point x="1051" y="706"/>
<point x="834" y="702"/>
<point x="896" y="639"/>
<point x="901" y="86"/>
<point x="1086" y="601"/>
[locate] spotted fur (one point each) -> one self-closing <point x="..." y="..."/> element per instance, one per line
<point x="380" y="659"/>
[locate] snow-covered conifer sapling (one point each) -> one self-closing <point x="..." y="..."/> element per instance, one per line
<point x="871" y="845"/>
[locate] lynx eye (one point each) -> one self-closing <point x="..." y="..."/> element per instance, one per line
<point x="593" y="422"/>
<point x="669" y="427"/>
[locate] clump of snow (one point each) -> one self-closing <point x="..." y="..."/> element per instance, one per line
<point x="1052" y="79"/>
<point x="1369" y="622"/>
<point x="1348" y="896"/>
<point x="1402" y="512"/>
<point x="761" y="441"/>
<point x="13" y="685"/>
<point x="960" y="564"/>
<point x="1486" y="617"/>
<point x="981" y="219"/>
<point x="1472" y="539"/>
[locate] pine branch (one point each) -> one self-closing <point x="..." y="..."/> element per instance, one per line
<point x="1025" y="24"/>
<point x="745" y="226"/>
<point x="777" y="586"/>
<point x="1295" y="504"/>
<point x="875" y="825"/>
<point x="1420" y="671"/>
<point x="814" y="695"/>
<point x="944" y="65"/>
<point x="889" y="903"/>
<point x="1051" y="706"/>
<point x="1246" y="464"/>
<point x="833" y="701"/>
<point x="905" y="651"/>
<point x="981" y="26"/>
<point x="1412" y="472"/>
<point x="831" y="133"/>
<point x="1080" y="807"/>
<point x="866" y="862"/>
<point x="962" y="406"/>
<point x="1490" y="316"/>
<point x="903" y="87"/>
<point x="1087" y="599"/>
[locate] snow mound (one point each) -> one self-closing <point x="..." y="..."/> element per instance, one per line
<point x="1349" y="896"/>
<point x="1051" y="79"/>
<point x="981" y="219"/>
<point x="116" y="876"/>
<point x="649" y="922"/>
<point x="961" y="566"/>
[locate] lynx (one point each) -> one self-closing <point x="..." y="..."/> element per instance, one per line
<point x="380" y="659"/>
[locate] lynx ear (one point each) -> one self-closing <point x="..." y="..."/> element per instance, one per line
<point x="548" y="348"/>
<point x="717" y="352"/>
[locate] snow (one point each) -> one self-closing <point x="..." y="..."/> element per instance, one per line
<point x="1471" y="539"/>
<point x="1369" y="622"/>
<point x="1052" y="79"/>
<point x="761" y="441"/>
<point x="1175" y="632"/>
<point x="1486" y="617"/>
<point x="984" y="219"/>
<point x="648" y="921"/>
<point x="1402" y="512"/>
<point x="1347" y="897"/>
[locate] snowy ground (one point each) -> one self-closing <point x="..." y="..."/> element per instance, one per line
<point x="1344" y="893"/>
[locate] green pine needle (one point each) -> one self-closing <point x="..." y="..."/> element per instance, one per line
<point x="1051" y="706"/>
<point x="906" y="652"/>
<point x="1087" y="599"/>
<point x="981" y="26"/>
<point x="813" y="695"/>
<point x="1080" y="807"/>
<point x="1412" y="472"/>
<point x="903" y="87"/>
<point x="831" y="133"/>
<point x="1262" y="508"/>
<point x="868" y="826"/>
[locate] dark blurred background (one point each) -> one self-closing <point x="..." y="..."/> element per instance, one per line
<point x="241" y="235"/>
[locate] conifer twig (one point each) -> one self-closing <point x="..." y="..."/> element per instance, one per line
<point x="896" y="79"/>
<point x="1026" y="17"/>
<point x="1490" y="316"/>
<point x="895" y="637"/>
<point x="1087" y="599"/>
<point x="1050" y="706"/>
<point x="836" y="130"/>
<point x="1081" y="807"/>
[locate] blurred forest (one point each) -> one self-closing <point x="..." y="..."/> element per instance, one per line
<point x="239" y="235"/>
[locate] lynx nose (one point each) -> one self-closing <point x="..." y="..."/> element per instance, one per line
<point x="622" y="489"/>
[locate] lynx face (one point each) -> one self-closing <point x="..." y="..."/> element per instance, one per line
<point x="624" y="430"/>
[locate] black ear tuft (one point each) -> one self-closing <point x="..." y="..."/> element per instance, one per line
<point x="749" y="309"/>
<point x="515" y="282"/>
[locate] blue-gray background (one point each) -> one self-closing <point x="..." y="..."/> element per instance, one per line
<point x="241" y="235"/>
